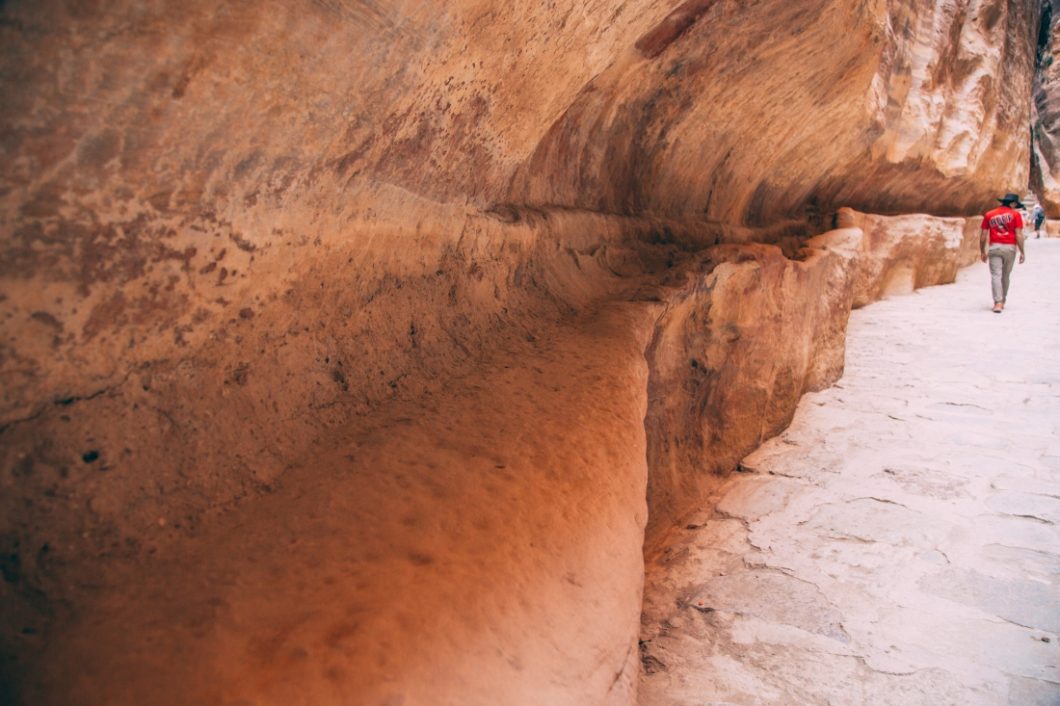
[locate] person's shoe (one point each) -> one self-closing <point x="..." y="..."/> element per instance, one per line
<point x="998" y="306"/>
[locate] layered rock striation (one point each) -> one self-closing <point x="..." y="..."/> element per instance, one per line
<point x="244" y="248"/>
<point x="169" y="167"/>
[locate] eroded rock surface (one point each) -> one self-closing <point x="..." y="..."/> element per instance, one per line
<point x="735" y="349"/>
<point x="433" y="558"/>
<point x="170" y="170"/>
<point x="506" y="496"/>
<point x="235" y="238"/>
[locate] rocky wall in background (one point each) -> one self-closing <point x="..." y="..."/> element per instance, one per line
<point x="1045" y="131"/>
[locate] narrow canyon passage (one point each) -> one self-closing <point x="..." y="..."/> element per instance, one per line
<point x="898" y="543"/>
<point x="353" y="351"/>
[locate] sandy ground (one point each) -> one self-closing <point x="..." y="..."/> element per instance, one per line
<point x="898" y="544"/>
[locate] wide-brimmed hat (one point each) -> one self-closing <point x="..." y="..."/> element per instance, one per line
<point x="1011" y="198"/>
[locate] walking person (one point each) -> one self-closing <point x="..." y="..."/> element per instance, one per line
<point x="1038" y="214"/>
<point x="1000" y="236"/>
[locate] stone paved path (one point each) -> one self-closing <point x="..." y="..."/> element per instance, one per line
<point x="899" y="544"/>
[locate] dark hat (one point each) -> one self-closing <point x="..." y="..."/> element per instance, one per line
<point x="1011" y="198"/>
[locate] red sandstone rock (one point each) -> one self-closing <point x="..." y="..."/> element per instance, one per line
<point x="163" y="159"/>
<point x="754" y="330"/>
<point x="397" y="193"/>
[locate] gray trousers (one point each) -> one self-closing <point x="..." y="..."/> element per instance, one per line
<point x="1001" y="258"/>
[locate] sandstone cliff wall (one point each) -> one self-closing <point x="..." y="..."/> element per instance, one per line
<point x="481" y="541"/>
<point x="1046" y="128"/>
<point x="753" y="330"/>
<point x="168" y="168"/>
<point x="234" y="236"/>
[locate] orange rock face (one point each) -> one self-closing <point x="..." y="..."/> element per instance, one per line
<point x="754" y="330"/>
<point x="241" y="248"/>
<point x="170" y="170"/>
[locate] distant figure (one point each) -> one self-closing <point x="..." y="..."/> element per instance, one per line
<point x="1004" y="228"/>
<point x="1038" y="214"/>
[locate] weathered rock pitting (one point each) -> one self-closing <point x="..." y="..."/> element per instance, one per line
<point x="239" y="245"/>
<point x="143" y="209"/>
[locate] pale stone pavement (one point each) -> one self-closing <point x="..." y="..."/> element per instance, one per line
<point x="899" y="543"/>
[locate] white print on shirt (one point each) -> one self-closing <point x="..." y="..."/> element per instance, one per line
<point x="1001" y="221"/>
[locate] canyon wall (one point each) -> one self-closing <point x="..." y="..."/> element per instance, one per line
<point x="1045" y="131"/>
<point x="753" y="330"/>
<point x="170" y="168"/>
<point x="241" y="242"/>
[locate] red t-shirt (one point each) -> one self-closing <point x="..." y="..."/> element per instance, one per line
<point x="1002" y="223"/>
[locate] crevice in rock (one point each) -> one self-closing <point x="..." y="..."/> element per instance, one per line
<point x="64" y="401"/>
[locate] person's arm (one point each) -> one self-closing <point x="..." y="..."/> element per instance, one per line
<point x="1019" y="244"/>
<point x="982" y="244"/>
